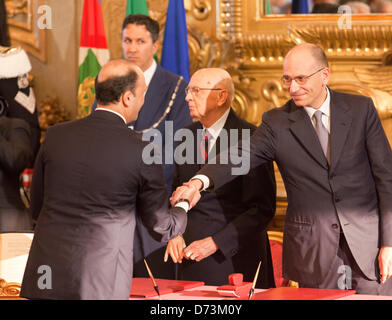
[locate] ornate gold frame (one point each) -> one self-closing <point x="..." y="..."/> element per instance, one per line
<point x="28" y="35"/>
<point x="15" y="7"/>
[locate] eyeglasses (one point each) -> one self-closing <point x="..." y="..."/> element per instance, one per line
<point x="196" y="90"/>
<point x="300" y="79"/>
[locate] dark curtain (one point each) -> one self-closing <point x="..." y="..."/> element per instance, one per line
<point x="4" y="35"/>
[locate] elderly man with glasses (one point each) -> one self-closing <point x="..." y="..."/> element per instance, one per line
<point x="336" y="164"/>
<point x="226" y="230"/>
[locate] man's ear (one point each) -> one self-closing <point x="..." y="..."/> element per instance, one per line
<point x="155" y="46"/>
<point x="222" y="97"/>
<point x="127" y="98"/>
<point x="325" y="74"/>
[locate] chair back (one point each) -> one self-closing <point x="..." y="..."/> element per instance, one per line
<point x="276" y="244"/>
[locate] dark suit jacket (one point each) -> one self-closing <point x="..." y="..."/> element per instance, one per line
<point x="235" y="215"/>
<point x="89" y="181"/>
<point x="157" y="98"/>
<point x="353" y="194"/>
<point x="15" y="154"/>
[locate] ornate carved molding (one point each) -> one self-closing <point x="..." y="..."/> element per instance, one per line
<point x="9" y="289"/>
<point x="201" y="9"/>
<point x="362" y="40"/>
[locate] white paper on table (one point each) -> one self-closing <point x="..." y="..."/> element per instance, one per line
<point x="14" y="251"/>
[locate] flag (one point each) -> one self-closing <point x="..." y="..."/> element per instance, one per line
<point x="300" y="6"/>
<point x="175" y="52"/>
<point x="136" y="7"/>
<point x="93" y="54"/>
<point x="267" y="7"/>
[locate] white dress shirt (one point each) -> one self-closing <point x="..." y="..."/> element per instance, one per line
<point x="214" y="130"/>
<point x="325" y="110"/>
<point x="149" y="73"/>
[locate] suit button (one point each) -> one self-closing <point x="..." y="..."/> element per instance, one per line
<point x="335" y="226"/>
<point x="337" y="199"/>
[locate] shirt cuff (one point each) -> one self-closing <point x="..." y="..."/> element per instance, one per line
<point x="183" y="204"/>
<point x="204" y="179"/>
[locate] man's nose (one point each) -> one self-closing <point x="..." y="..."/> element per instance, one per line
<point x="293" y="86"/>
<point x="131" y="47"/>
<point x="188" y="96"/>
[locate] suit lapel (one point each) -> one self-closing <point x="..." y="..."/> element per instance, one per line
<point x="341" y="119"/>
<point x="152" y="109"/>
<point x="303" y="130"/>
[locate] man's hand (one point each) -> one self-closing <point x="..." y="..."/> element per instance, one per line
<point x="385" y="263"/>
<point x="175" y="248"/>
<point x="200" y="249"/>
<point x="190" y="191"/>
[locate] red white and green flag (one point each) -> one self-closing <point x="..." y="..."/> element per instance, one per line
<point x="136" y="7"/>
<point x="93" y="54"/>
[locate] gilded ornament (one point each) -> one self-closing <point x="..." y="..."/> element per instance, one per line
<point x="86" y="97"/>
<point x="9" y="288"/>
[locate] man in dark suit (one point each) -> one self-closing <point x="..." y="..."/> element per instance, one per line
<point x="89" y="181"/>
<point x="164" y="106"/>
<point x="226" y="230"/>
<point x="337" y="170"/>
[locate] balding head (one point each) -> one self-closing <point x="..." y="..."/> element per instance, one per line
<point x="114" y="78"/>
<point x="118" y="87"/>
<point x="217" y="78"/>
<point x="311" y="50"/>
<point x="211" y="92"/>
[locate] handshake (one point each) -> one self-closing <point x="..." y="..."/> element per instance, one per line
<point x="176" y="247"/>
<point x="189" y="191"/>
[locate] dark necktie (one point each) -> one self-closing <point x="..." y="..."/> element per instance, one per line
<point x="322" y="133"/>
<point x="204" y="145"/>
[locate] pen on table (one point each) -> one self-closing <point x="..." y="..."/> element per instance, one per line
<point x="252" y="290"/>
<point x="152" y="279"/>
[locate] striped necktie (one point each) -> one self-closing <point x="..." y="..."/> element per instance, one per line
<point x="204" y="145"/>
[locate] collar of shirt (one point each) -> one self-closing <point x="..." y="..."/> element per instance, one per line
<point x="325" y="109"/>
<point x="120" y="115"/>
<point x="149" y="73"/>
<point x="216" y="128"/>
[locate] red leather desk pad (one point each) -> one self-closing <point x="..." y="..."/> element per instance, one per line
<point x="287" y="293"/>
<point x="143" y="287"/>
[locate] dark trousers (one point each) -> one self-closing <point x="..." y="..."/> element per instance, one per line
<point x="346" y="274"/>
